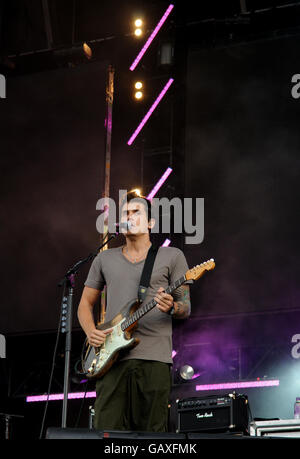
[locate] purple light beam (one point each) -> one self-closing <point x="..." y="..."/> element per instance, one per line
<point x="155" y="190"/>
<point x="150" y="111"/>
<point x="202" y="387"/>
<point x="237" y="385"/>
<point x="53" y="397"/>
<point x="151" y="38"/>
<point x="159" y="183"/>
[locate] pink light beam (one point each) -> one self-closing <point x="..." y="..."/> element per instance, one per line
<point x="53" y="397"/>
<point x="150" y="111"/>
<point x="152" y="193"/>
<point x="238" y="385"/>
<point x="159" y="183"/>
<point x="203" y="387"/>
<point x="151" y="38"/>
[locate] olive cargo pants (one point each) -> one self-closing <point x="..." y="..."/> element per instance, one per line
<point x="133" y="395"/>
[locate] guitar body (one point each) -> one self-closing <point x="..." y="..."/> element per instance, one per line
<point x="97" y="361"/>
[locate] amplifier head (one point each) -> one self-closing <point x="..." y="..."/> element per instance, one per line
<point x="213" y="413"/>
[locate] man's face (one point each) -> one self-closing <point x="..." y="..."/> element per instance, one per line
<point x="135" y="213"/>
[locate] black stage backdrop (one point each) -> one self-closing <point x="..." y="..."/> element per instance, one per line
<point x="51" y="159"/>
<point x="52" y="165"/>
<point x="242" y="157"/>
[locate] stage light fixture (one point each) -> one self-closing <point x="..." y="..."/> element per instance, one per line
<point x="137" y="191"/>
<point x="186" y="372"/>
<point x="138" y="95"/>
<point x="87" y="50"/>
<point x="138" y="32"/>
<point x="138" y="23"/>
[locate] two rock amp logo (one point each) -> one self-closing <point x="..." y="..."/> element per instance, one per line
<point x="205" y="415"/>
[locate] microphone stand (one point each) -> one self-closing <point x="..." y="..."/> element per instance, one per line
<point x="8" y="418"/>
<point x="68" y="282"/>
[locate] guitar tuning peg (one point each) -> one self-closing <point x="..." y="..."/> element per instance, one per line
<point x="212" y="259"/>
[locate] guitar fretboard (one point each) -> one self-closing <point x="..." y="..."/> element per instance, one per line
<point x="148" y="306"/>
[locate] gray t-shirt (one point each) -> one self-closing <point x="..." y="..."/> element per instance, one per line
<point x="121" y="277"/>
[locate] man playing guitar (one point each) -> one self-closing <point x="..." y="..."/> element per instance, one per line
<point x="134" y="393"/>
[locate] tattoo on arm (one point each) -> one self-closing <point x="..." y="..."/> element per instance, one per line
<point x="183" y="304"/>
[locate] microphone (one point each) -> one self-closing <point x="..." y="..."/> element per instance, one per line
<point x="123" y="226"/>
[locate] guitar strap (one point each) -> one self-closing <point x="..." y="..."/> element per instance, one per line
<point x="147" y="271"/>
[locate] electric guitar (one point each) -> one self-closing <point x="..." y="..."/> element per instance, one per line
<point x="96" y="361"/>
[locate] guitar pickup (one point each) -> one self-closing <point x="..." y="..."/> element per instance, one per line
<point x="92" y="367"/>
<point x="97" y="351"/>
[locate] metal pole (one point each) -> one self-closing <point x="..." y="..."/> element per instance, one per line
<point x="7" y="427"/>
<point x="68" y="346"/>
<point x="48" y="27"/>
<point x="109" y="107"/>
<point x="107" y="168"/>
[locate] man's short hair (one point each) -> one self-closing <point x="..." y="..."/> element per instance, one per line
<point x="133" y="196"/>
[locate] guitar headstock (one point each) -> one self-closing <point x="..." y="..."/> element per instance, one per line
<point x="199" y="270"/>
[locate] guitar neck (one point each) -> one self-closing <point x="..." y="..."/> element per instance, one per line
<point x="139" y="313"/>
